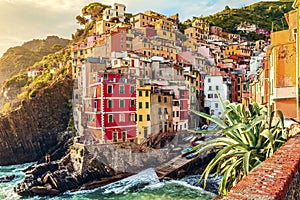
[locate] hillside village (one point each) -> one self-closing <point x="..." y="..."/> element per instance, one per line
<point x="138" y="78"/>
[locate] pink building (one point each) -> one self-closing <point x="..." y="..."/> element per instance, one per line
<point x="118" y="40"/>
<point x="111" y="108"/>
<point x="263" y="31"/>
<point x="216" y="30"/>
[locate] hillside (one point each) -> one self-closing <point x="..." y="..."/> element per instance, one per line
<point x="17" y="59"/>
<point x="264" y="14"/>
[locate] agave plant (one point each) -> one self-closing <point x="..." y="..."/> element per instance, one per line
<point x="250" y="135"/>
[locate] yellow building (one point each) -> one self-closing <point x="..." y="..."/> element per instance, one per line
<point x="199" y="30"/>
<point x="164" y="24"/>
<point x="143" y="112"/>
<point x="140" y="20"/>
<point x="104" y="27"/>
<point x="170" y="35"/>
<point x="283" y="68"/>
<point x="237" y="49"/>
<point x="296" y="6"/>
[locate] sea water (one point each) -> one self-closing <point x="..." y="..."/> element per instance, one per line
<point x="122" y="190"/>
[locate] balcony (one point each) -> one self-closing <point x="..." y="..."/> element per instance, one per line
<point x="284" y="93"/>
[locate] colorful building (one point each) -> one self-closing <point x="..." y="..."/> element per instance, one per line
<point x="115" y="12"/>
<point x="143" y="111"/>
<point x="111" y="108"/>
<point x="296" y="33"/>
<point x="283" y="70"/>
<point x="199" y="30"/>
<point x="238" y="49"/>
<point x="161" y="110"/>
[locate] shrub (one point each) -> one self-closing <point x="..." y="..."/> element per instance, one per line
<point x="250" y="135"/>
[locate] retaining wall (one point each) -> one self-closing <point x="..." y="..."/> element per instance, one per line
<point x="276" y="178"/>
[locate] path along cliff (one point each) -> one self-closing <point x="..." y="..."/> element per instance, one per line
<point x="32" y="130"/>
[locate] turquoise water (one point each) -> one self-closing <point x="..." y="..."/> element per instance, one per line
<point x="170" y="190"/>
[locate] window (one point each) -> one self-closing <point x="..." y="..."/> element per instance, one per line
<point x="124" y="136"/>
<point x="148" y="117"/>
<point x="217" y="87"/>
<point x="132" y="89"/>
<point x="145" y="132"/>
<point x="147" y="93"/>
<point x="95" y="104"/>
<point x="173" y="114"/>
<point x="122" y="103"/>
<point x="193" y="99"/>
<point x="122" y="117"/>
<point x="132" y="103"/>
<point x="193" y="89"/>
<point x="109" y="103"/>
<point x="121" y="89"/>
<point x="208" y="80"/>
<point x="94" y="92"/>
<point x="140" y="104"/>
<point x="105" y="76"/>
<point x="140" y="118"/>
<point x="209" y="87"/>
<point x="216" y="105"/>
<point x="147" y="104"/>
<point x="131" y="117"/>
<point x="216" y="96"/>
<point x="166" y="110"/>
<point x="140" y="93"/>
<point x="109" y="89"/>
<point x="159" y="98"/>
<point x="160" y="127"/>
<point x="165" y="99"/>
<point x="110" y="119"/>
<point x="159" y="111"/>
<point x="115" y="136"/>
<point x="210" y="96"/>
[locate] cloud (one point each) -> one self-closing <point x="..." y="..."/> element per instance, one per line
<point x="23" y="20"/>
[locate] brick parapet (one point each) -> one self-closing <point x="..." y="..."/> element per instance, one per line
<point x="277" y="178"/>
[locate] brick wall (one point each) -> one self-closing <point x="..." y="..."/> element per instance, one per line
<point x="277" y="178"/>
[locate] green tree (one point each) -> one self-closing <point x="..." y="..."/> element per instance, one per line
<point x="81" y="20"/>
<point x="227" y="7"/>
<point x="250" y="135"/>
<point x="94" y="10"/>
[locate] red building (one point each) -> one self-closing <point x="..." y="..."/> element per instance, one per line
<point x="112" y="109"/>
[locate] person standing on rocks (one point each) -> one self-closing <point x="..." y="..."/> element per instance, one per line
<point x="47" y="158"/>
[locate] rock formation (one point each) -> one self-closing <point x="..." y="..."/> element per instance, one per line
<point x="48" y="179"/>
<point x="27" y="133"/>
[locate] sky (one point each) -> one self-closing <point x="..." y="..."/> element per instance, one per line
<point x="24" y="20"/>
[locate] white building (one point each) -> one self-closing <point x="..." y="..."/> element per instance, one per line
<point x="117" y="11"/>
<point x="255" y="63"/>
<point x="212" y="86"/>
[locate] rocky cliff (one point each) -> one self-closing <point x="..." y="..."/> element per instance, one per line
<point x="29" y="132"/>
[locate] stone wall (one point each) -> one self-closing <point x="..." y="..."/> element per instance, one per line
<point x="27" y="133"/>
<point x="126" y="158"/>
<point x="276" y="178"/>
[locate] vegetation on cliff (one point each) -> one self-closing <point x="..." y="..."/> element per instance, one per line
<point x="17" y="59"/>
<point x="89" y="15"/>
<point x="21" y="87"/>
<point x="266" y="14"/>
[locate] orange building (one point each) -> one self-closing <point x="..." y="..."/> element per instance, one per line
<point x="297" y="35"/>
<point x="283" y="68"/>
